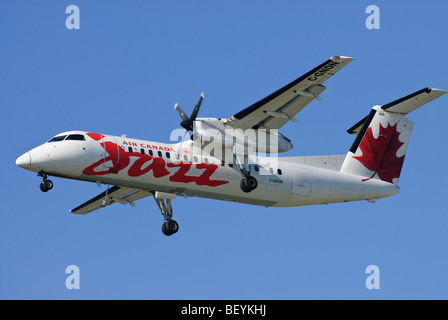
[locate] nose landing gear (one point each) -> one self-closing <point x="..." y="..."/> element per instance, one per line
<point x="46" y="184"/>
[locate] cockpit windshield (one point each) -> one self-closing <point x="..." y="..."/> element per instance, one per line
<point x="78" y="137"/>
<point x="57" y="138"/>
<point x="73" y="137"/>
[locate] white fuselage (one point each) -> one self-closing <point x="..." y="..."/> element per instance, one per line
<point x="175" y="168"/>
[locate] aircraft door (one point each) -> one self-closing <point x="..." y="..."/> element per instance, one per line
<point x="301" y="182"/>
<point x="111" y="153"/>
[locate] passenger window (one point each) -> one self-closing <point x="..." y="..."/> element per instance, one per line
<point x="142" y="151"/>
<point x="150" y="152"/>
<point x="130" y="149"/>
<point x="160" y="154"/>
<point x="168" y="155"/>
<point x="256" y="168"/>
<point x="279" y="171"/>
<point x="77" y="137"/>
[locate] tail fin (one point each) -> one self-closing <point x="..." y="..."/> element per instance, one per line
<point x="383" y="137"/>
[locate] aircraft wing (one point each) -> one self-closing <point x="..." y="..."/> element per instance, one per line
<point x="115" y="194"/>
<point x="281" y="106"/>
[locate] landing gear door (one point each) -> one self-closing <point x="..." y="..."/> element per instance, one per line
<point x="111" y="153"/>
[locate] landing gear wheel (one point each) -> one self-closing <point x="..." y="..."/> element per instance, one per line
<point x="46" y="185"/>
<point x="170" y="227"/>
<point x="164" y="230"/>
<point x="251" y="183"/>
<point x="243" y="186"/>
<point x="42" y="188"/>
<point x="248" y="184"/>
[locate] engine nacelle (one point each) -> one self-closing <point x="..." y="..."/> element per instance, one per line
<point x="214" y="134"/>
<point x="274" y="142"/>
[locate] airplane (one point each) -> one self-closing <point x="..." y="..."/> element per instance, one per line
<point x="237" y="158"/>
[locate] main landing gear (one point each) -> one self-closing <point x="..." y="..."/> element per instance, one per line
<point x="163" y="200"/>
<point x="45" y="184"/>
<point x="248" y="183"/>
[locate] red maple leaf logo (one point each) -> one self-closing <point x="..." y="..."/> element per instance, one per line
<point x="380" y="155"/>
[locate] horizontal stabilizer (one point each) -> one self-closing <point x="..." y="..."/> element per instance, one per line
<point x="405" y="105"/>
<point x="413" y="101"/>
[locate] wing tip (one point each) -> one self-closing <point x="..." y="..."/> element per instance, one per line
<point x="441" y="91"/>
<point x="342" y="58"/>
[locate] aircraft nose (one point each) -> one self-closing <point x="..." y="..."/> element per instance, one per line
<point x="24" y="160"/>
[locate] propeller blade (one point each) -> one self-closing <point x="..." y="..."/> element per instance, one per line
<point x="194" y="114"/>
<point x="181" y="112"/>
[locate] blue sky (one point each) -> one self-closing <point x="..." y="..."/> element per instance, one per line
<point x="122" y="72"/>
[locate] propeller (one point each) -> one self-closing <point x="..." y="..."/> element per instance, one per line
<point x="187" y="122"/>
